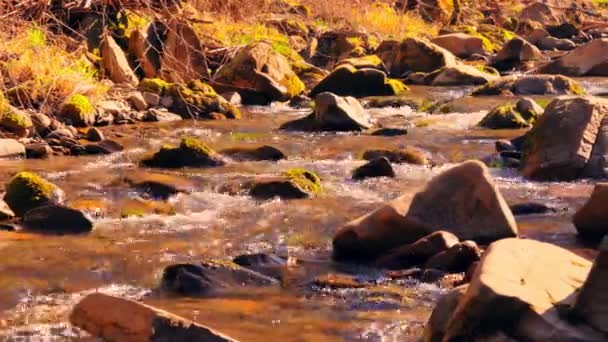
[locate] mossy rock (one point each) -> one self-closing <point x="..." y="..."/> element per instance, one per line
<point x="292" y="184"/>
<point x="154" y="85"/>
<point x="27" y="191"/>
<point x="504" y="117"/>
<point x="531" y="85"/>
<point x="365" y="62"/>
<point x="493" y="37"/>
<point x="199" y="100"/>
<point x="78" y="110"/>
<point x="17" y="122"/>
<point x="190" y="153"/>
<point x="346" y="80"/>
<point x="308" y="73"/>
<point x="4" y="105"/>
<point x="408" y="155"/>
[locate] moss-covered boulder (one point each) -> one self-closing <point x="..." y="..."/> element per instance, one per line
<point x="346" y="80"/>
<point x="493" y="37"/>
<point x="515" y="54"/>
<point x="258" y="68"/>
<point x="291" y="184"/>
<point x="504" y="117"/>
<point x="531" y="85"/>
<point x="16" y="122"/>
<point x="183" y="59"/>
<point x="461" y="45"/>
<point x="190" y="153"/>
<point x="199" y="100"/>
<point x="27" y="191"/>
<point x="365" y="62"/>
<point x="154" y="85"/>
<point x="335" y="46"/>
<point x="408" y="155"/>
<point x="308" y="73"/>
<point x="460" y="74"/>
<point x="78" y="110"/>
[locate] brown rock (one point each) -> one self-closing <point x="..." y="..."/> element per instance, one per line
<point x="414" y="55"/>
<point x="560" y="144"/>
<point x="145" y="46"/>
<point x="456" y="259"/>
<point x="460" y="74"/>
<point x="517" y="290"/>
<point x="183" y="59"/>
<point x="460" y="44"/>
<point x="115" y="63"/>
<point x="514" y="52"/>
<point x="592" y="301"/>
<point x="462" y="200"/>
<point x="590" y="59"/>
<point x="419" y="251"/>
<point x="591" y="220"/>
<point x="117" y="319"/>
<point x="444" y="309"/>
<point x="334" y="46"/>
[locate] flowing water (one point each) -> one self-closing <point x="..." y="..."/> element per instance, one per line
<point x="42" y="277"/>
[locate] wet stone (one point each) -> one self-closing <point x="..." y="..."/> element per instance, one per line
<point x="254" y="154"/>
<point x="57" y="219"/>
<point x="103" y="147"/>
<point x="379" y="167"/>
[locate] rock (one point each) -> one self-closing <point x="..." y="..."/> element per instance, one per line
<point x="462" y="45"/>
<point x="379" y="167"/>
<point x="300" y="101"/>
<point x="6" y="213"/>
<point x="209" y="277"/>
<point x="544" y="41"/>
<point x="138" y="100"/>
<point x="115" y="63"/>
<point x="346" y="80"/>
<point x="258" y="68"/>
<point x="437" y="11"/>
<point x="334" y="46"/>
<point x="60" y="133"/>
<point x="592" y="302"/>
<point x="530" y="208"/>
<point x="38" y="151"/>
<point x="17" y="122"/>
<point x="389" y="132"/>
<point x="460" y="74"/>
<point x="540" y="12"/>
<point x="508" y="116"/>
<point x="456" y="259"/>
<point x="505" y="145"/>
<point x="78" y="111"/>
<point x="462" y="200"/>
<point x="586" y="60"/>
<point x="115" y="319"/>
<point x="437" y="325"/>
<point x="103" y="147"/>
<point x="145" y="46"/>
<point x="11" y="148"/>
<point x="94" y="134"/>
<point x="27" y="191"/>
<point x="292" y="184"/>
<point x="514" y="52"/>
<point x="415" y="55"/>
<point x="157" y="115"/>
<point x="56" y="219"/>
<point x="365" y="62"/>
<point x="531" y="85"/>
<point x="232" y="97"/>
<point x="528" y="108"/>
<point x="199" y="100"/>
<point x="254" y="154"/>
<point x="183" y="59"/>
<point x="41" y="122"/>
<point x="408" y="155"/>
<point x="158" y="185"/>
<point x="151" y="99"/>
<point x="259" y="259"/>
<point x="517" y="290"/>
<point x="190" y="153"/>
<point x="561" y="142"/>
<point x="417" y="252"/>
<point x="591" y="220"/>
<point x="308" y="73"/>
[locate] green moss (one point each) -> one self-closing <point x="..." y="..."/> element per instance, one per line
<point x="369" y="61"/>
<point x="4" y="105"/>
<point x="154" y="85"/>
<point x="79" y="104"/>
<point x="487" y="69"/>
<point x="16" y="121"/>
<point x="504" y="117"/>
<point x="294" y="85"/>
<point x="306" y="180"/>
<point x="544" y="102"/>
<point x="27" y="190"/>
<point x="396" y="87"/>
<point x="219" y="263"/>
<point x="247" y="136"/>
<point x="199" y="100"/>
<point x="577" y="89"/>
<point x="492" y="37"/>
<point x="196" y="146"/>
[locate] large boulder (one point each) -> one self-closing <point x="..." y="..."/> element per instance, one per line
<point x="597" y="166"/>
<point x="333" y="113"/>
<point x="462" y="45"/>
<point x="592" y="301"/>
<point x="258" y="68"/>
<point x="462" y="200"/>
<point x="561" y="142"/>
<point x="591" y="220"/>
<point x="544" y="41"/>
<point x="541" y="12"/>
<point x="199" y="100"/>
<point x="116" y="319"/>
<point x="78" y="110"/>
<point x="419" y="251"/>
<point x="515" y="52"/>
<point x="519" y="289"/>
<point x="590" y="59"/>
<point x="56" y="219"/>
<point x="115" y="63"/>
<point x="145" y="47"/>
<point x="10" y="148"/>
<point x="183" y="59"/>
<point x="459" y="74"/>
<point x="27" y="191"/>
<point x="347" y="80"/>
<point x="417" y="55"/>
<point x="531" y="85"/>
<point x="511" y="116"/>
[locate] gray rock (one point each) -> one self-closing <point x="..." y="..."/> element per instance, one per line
<point x="138" y="100"/>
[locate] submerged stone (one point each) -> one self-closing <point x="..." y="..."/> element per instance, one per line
<point x="379" y="167"/>
<point x="190" y="153"/>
